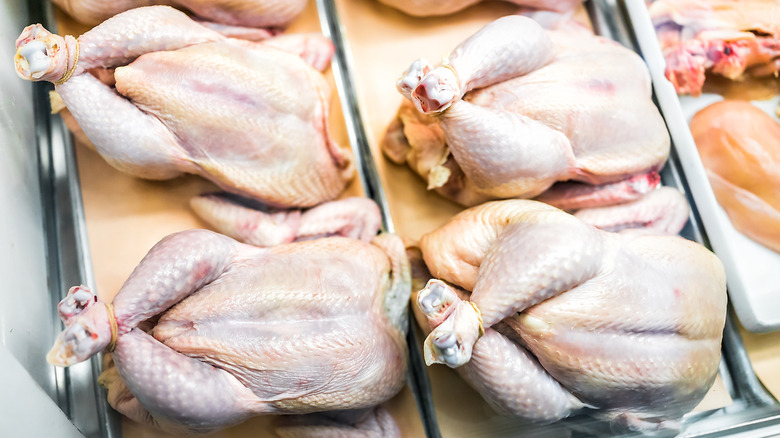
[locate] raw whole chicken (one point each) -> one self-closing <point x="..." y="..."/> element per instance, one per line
<point x="423" y="8"/>
<point x="207" y="332"/>
<point x="249" y="116"/>
<point x="731" y="38"/>
<point x="250" y="13"/>
<point x="555" y="316"/>
<point x="739" y="146"/>
<point x="517" y="111"/>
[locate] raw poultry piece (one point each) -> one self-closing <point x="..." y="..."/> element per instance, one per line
<point x="251" y="13"/>
<point x="739" y="146"/>
<point x="207" y="332"/>
<point x="258" y="225"/>
<point x="517" y="111"/>
<point x="424" y="8"/>
<point x="251" y="117"/>
<point x="556" y="317"/>
<point x="731" y="38"/>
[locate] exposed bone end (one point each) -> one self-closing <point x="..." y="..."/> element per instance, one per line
<point x="412" y="76"/>
<point x="40" y="55"/>
<point x="447" y="347"/>
<point x="87" y="335"/>
<point x="436" y="301"/>
<point x="436" y="91"/>
<point x="457" y="326"/>
<point x="78" y="301"/>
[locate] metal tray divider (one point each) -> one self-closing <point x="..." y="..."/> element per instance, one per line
<point x="68" y="258"/>
<point x="417" y="376"/>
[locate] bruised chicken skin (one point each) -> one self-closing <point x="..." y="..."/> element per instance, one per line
<point x="739" y="146"/>
<point x="251" y="13"/>
<point x="562" y="316"/>
<point x="731" y="38"/>
<point x="251" y="117"/>
<point x="424" y="8"/>
<point x="517" y="111"/>
<point x="298" y="328"/>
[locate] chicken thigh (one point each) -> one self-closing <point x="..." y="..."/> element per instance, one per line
<point x="299" y="328"/>
<point x="251" y="117"/>
<point x="250" y="13"/>
<point x="424" y="8"/>
<point x="517" y="111"/>
<point x="562" y="316"/>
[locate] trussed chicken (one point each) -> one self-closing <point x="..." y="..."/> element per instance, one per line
<point x="299" y="328"/>
<point x="562" y="316"/>
<point x="251" y="117"/>
<point x="517" y="111"/>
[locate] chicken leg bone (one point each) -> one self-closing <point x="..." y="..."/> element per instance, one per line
<point x="174" y="268"/>
<point x="78" y="300"/>
<point x="42" y="55"/>
<point x="506" y="48"/>
<point x="88" y="328"/>
<point x="520" y="268"/>
<point x="101" y="47"/>
<point x="452" y="339"/>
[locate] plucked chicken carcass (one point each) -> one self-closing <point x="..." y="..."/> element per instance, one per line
<point x="739" y="146"/>
<point x="249" y="116"/>
<point x="517" y="111"/>
<point x="424" y="8"/>
<point x="249" y="13"/>
<point x="207" y="332"/>
<point x="546" y="316"/>
<point x="731" y="38"/>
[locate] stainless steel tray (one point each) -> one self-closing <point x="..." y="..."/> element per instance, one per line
<point x="753" y="408"/>
<point x="69" y="260"/>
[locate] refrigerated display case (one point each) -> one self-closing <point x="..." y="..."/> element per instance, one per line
<point x="78" y="221"/>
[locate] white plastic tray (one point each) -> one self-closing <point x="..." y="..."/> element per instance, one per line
<point x="752" y="270"/>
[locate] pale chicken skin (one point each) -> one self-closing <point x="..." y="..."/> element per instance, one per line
<point x="250" y="13"/>
<point x="424" y="8"/>
<point x="356" y="218"/>
<point x="305" y="327"/>
<point x="250" y="117"/>
<point x="731" y="38"/>
<point x="555" y="316"/>
<point x="517" y="111"/>
<point x="739" y="146"/>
